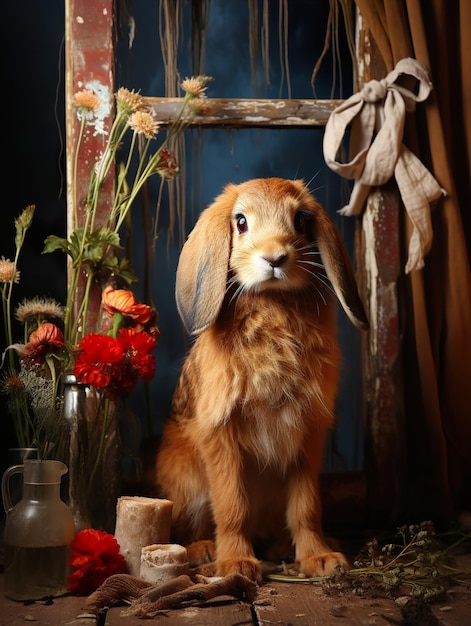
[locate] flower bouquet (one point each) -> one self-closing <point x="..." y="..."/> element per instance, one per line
<point x="67" y="381"/>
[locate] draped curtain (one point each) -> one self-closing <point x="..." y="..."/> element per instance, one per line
<point x="436" y="317"/>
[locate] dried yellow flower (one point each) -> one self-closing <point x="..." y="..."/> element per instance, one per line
<point x="196" y="85"/>
<point x="8" y="271"/>
<point x="39" y="308"/>
<point x="143" y="122"/>
<point x="87" y="100"/>
<point x="199" y="106"/>
<point x="129" y="101"/>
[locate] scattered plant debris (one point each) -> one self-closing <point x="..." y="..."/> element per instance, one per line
<point x="418" y="564"/>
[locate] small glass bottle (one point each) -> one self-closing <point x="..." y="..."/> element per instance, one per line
<point x="38" y="532"/>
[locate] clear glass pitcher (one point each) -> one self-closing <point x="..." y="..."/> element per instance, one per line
<point x="38" y="532"/>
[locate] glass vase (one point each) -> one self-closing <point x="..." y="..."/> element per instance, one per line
<point x="94" y="455"/>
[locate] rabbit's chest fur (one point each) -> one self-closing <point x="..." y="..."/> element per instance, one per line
<point x="272" y="377"/>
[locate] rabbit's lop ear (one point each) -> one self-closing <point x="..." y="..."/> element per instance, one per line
<point x="339" y="270"/>
<point x="203" y="265"/>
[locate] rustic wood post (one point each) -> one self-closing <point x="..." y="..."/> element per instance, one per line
<point x="379" y="263"/>
<point x="89" y="52"/>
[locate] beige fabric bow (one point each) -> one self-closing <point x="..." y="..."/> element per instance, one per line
<point x="377" y="115"/>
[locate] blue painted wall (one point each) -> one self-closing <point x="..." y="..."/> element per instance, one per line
<point x="238" y="155"/>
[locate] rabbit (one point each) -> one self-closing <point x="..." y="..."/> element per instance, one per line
<point x="241" y="450"/>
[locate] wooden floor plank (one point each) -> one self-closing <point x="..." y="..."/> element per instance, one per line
<point x="299" y="604"/>
<point x="283" y="604"/>
<point x="280" y="603"/>
<point x="215" y="613"/>
<point x="64" y="611"/>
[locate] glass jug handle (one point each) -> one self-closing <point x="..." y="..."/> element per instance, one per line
<point x="6" y="495"/>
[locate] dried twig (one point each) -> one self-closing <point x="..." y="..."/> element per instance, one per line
<point x="419" y="564"/>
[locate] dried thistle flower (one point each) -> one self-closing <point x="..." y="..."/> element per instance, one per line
<point x="11" y="384"/>
<point x="143" y="122"/>
<point x="196" y="86"/>
<point x="129" y="102"/>
<point x="199" y="106"/>
<point x="8" y="271"/>
<point x="87" y="102"/>
<point x="38" y="310"/>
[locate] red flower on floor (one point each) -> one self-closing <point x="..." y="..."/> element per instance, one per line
<point x="95" y="557"/>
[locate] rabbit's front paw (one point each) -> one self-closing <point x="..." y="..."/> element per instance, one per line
<point x="325" y="564"/>
<point x="247" y="566"/>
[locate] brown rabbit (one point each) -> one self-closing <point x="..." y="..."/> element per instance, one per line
<point x="241" y="452"/>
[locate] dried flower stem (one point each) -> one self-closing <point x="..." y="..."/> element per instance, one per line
<point x="81" y="316"/>
<point x="419" y="565"/>
<point x="143" y="173"/>
<point x="118" y="131"/>
<point x="22" y="419"/>
<point x="6" y="306"/>
<point x="22" y="224"/>
<point x="105" y="405"/>
<point x="74" y="179"/>
<point x="92" y="246"/>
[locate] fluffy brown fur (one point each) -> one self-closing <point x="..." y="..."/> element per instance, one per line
<point x="241" y="452"/>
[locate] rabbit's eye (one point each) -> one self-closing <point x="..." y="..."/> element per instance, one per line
<point x="241" y="223"/>
<point x="301" y="220"/>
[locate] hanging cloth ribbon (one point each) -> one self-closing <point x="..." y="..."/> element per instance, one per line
<point x="377" y="115"/>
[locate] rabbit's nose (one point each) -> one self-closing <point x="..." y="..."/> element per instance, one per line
<point x="275" y="260"/>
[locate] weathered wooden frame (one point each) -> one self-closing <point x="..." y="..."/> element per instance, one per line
<point x="250" y="113"/>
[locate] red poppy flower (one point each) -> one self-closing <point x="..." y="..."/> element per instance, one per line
<point x="41" y="342"/>
<point x="123" y="301"/>
<point x="96" y="557"/>
<point x="99" y="360"/>
<point x="138" y="347"/>
<point x="139" y="362"/>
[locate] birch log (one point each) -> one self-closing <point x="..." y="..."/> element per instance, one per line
<point x="162" y="562"/>
<point x="141" y="522"/>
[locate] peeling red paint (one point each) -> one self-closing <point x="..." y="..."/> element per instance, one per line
<point x="89" y="64"/>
